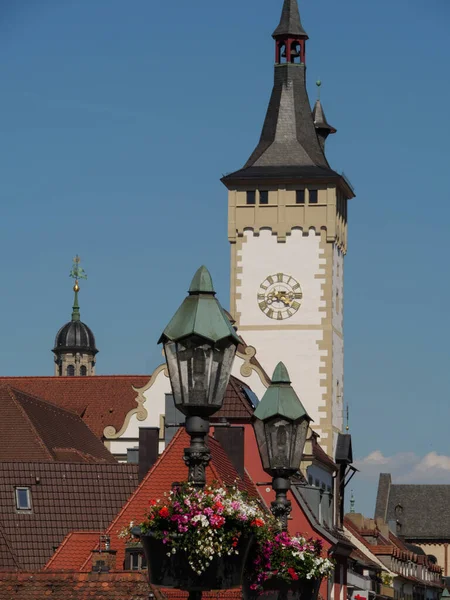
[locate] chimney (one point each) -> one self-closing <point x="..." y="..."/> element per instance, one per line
<point x="232" y="441"/>
<point x="148" y="449"/>
<point x="384" y="489"/>
<point x="103" y="561"/>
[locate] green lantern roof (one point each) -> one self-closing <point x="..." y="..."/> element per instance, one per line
<point x="445" y="593"/>
<point x="280" y="399"/>
<point x="200" y="314"/>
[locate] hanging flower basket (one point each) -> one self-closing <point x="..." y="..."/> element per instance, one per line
<point x="174" y="571"/>
<point x="291" y="565"/>
<point x="200" y="539"/>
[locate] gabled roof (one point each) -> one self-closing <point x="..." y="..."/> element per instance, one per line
<point x="391" y="545"/>
<point x="103" y="400"/>
<point x="64" y="497"/>
<point x="32" y="429"/>
<point x="414" y="508"/>
<point x="100" y="400"/>
<point x="168" y="469"/>
<point x="71" y="554"/>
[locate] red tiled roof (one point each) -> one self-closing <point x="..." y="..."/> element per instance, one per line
<point x="72" y="553"/>
<point x="88" y="586"/>
<point x="103" y="400"/>
<point x="100" y="400"/>
<point x="360" y="557"/>
<point x="74" y="586"/>
<point x="169" y="468"/>
<point x="237" y="406"/>
<point x="64" y="497"/>
<point x="32" y="429"/>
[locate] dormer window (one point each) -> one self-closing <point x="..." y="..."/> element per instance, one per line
<point x="264" y="197"/>
<point x="23" y="499"/>
<point x="251" y="197"/>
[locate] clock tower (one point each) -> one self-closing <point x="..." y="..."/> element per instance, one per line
<point x="287" y="226"/>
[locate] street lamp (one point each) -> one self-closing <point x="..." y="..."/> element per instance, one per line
<point x="281" y="425"/>
<point x="199" y="344"/>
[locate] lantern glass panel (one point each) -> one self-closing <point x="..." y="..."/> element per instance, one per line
<point x="260" y="433"/>
<point x="199" y="372"/>
<point x="299" y="441"/>
<point x="280" y="435"/>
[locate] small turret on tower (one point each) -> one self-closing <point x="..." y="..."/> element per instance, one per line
<point x="75" y="348"/>
<point x="323" y="128"/>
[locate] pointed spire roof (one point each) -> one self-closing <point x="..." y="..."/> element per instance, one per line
<point x="319" y="118"/>
<point x="290" y="148"/>
<point x="290" y="23"/>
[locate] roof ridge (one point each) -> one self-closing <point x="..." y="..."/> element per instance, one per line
<point x="45" y="402"/>
<point x="11" y="391"/>
<point x="58" y="550"/>
<point x="149" y="474"/>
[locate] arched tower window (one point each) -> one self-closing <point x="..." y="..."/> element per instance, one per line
<point x="296" y="53"/>
<point x="83" y="371"/>
<point x="70" y="371"/>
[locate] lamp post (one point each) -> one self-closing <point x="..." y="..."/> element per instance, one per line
<point x="281" y="425"/>
<point x="199" y="344"/>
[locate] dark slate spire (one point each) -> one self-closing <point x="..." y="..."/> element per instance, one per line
<point x="290" y="23"/>
<point x="288" y="137"/>
<point x="289" y="147"/>
<point x="323" y="128"/>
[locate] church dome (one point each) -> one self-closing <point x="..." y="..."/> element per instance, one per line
<point x="75" y="336"/>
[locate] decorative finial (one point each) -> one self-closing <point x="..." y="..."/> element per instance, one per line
<point x="347" y="426"/>
<point x="76" y="273"/>
<point x="352" y="503"/>
<point x="319" y="85"/>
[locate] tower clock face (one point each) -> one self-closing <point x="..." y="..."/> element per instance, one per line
<point x="279" y="296"/>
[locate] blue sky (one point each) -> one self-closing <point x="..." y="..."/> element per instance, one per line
<point x="117" y="121"/>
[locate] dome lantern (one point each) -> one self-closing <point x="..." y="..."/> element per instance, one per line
<point x="75" y="347"/>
